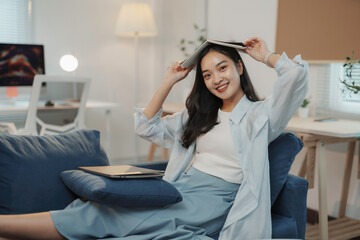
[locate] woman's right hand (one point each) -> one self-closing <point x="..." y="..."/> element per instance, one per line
<point x="176" y="73"/>
<point x="256" y="48"/>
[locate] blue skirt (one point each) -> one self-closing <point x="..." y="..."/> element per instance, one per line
<point x="206" y="202"/>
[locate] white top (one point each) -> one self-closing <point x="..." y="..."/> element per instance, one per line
<point x="215" y="152"/>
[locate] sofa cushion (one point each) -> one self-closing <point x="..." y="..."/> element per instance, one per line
<point x="141" y="192"/>
<point x="283" y="227"/>
<point x="291" y="202"/>
<point x="282" y="152"/>
<point x="30" y="167"/>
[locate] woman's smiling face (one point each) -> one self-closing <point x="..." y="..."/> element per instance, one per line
<point x="222" y="76"/>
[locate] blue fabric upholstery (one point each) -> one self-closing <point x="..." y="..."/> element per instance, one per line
<point x="283" y="227"/>
<point x="282" y="152"/>
<point x="291" y="203"/>
<point x="147" y="192"/>
<point x="30" y="168"/>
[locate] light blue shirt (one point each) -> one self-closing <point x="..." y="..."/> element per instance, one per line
<point x="253" y="126"/>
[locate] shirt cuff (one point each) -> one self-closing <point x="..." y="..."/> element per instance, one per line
<point x="285" y="62"/>
<point x="139" y="113"/>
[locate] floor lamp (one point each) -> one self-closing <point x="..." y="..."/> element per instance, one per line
<point x="69" y="63"/>
<point x="135" y="20"/>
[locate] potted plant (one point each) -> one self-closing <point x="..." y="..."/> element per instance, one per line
<point x="188" y="46"/>
<point x="303" y="111"/>
<point x="350" y="84"/>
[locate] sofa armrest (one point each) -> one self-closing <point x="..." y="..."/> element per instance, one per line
<point x="291" y="202"/>
<point x="30" y="168"/>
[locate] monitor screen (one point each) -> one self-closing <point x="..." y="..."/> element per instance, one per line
<point x="19" y="63"/>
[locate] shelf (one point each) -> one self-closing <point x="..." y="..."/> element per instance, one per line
<point x="342" y="228"/>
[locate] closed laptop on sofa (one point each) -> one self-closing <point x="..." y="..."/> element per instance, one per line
<point x="122" y="171"/>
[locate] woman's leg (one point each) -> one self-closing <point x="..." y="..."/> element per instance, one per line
<point x="29" y="226"/>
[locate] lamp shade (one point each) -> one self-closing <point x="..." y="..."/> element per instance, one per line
<point x="135" y="19"/>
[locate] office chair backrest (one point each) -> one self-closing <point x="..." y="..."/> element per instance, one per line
<point x="32" y="120"/>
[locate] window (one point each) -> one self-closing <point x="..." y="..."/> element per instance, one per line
<point x="15" y="21"/>
<point x="350" y="96"/>
<point x="341" y="99"/>
<point x="333" y="99"/>
<point x="15" y="27"/>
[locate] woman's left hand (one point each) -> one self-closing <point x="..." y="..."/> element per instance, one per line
<point x="256" y="48"/>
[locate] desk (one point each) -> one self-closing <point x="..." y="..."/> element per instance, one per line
<point x="315" y="136"/>
<point x="21" y="107"/>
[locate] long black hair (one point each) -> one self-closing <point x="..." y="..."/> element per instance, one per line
<point x="202" y="105"/>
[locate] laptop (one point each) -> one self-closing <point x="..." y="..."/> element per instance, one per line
<point x="123" y="171"/>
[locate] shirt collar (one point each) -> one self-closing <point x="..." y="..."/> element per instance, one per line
<point x="240" y="109"/>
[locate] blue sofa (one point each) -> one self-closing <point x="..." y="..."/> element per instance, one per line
<point x="30" y="170"/>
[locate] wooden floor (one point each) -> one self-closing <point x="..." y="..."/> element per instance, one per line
<point x="343" y="228"/>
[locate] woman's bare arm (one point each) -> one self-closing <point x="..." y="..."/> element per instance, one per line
<point x="175" y="74"/>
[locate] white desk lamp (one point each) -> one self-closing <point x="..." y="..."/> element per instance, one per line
<point x="135" y="20"/>
<point x="69" y="63"/>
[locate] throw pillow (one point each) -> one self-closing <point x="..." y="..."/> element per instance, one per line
<point x="282" y="152"/>
<point x="141" y="192"/>
<point x="30" y="168"/>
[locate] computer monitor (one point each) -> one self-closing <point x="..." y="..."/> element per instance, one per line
<point x="19" y="63"/>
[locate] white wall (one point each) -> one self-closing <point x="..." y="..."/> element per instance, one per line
<point x="86" y="27"/>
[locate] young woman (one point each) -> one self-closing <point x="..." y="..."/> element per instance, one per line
<point x="219" y="160"/>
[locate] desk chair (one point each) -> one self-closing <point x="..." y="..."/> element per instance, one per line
<point x="32" y="120"/>
<point x="8" y="127"/>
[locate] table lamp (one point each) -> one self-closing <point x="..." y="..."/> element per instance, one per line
<point x="135" y="20"/>
<point x="69" y="63"/>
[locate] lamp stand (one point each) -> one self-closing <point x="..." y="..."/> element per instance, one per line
<point x="75" y="89"/>
<point x="136" y="83"/>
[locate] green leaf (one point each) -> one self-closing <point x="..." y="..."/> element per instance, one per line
<point x="183" y="49"/>
<point x="196" y="27"/>
<point x="182" y="41"/>
<point x="305" y="102"/>
<point x="347" y="58"/>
